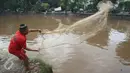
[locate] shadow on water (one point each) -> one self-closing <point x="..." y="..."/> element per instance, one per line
<point x="115" y="37"/>
<point x="100" y="40"/>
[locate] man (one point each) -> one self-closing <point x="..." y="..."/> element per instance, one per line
<point x="18" y="44"/>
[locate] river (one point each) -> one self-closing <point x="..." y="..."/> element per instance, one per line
<point x="106" y="52"/>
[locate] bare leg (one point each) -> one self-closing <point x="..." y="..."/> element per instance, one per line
<point x="26" y="64"/>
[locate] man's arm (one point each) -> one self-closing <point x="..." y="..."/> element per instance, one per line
<point x="35" y="30"/>
<point x="32" y="49"/>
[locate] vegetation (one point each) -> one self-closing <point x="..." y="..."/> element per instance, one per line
<point x="23" y="6"/>
<point x="40" y="67"/>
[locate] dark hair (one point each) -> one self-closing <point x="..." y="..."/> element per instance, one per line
<point x="23" y="27"/>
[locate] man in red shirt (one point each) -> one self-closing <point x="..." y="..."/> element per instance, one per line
<point x="17" y="45"/>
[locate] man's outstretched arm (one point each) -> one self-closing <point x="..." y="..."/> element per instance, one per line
<point x="35" y="30"/>
<point x="36" y="50"/>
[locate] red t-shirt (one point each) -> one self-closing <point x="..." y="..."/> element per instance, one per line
<point x="18" y="42"/>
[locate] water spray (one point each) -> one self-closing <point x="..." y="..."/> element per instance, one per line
<point x="9" y="62"/>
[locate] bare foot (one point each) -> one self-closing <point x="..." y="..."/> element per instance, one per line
<point x="29" y="68"/>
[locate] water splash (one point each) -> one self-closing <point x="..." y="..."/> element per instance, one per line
<point x="58" y="46"/>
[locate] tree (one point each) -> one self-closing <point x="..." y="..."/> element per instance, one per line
<point x="66" y="5"/>
<point x="45" y="6"/>
<point x="2" y="5"/>
<point x="54" y="3"/>
<point x="127" y="6"/>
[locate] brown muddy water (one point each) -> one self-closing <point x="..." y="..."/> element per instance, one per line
<point x="106" y="52"/>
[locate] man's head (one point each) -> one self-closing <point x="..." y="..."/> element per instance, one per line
<point x="23" y="29"/>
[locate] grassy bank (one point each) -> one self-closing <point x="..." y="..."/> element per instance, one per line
<point x="40" y="66"/>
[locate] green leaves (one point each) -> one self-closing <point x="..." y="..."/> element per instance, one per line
<point x="45" y="5"/>
<point x="66" y="5"/>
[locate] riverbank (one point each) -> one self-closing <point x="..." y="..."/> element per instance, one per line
<point x="81" y="14"/>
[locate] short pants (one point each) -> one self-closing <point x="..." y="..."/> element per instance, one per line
<point x="21" y="54"/>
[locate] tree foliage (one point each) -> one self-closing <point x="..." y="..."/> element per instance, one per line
<point x="66" y="5"/>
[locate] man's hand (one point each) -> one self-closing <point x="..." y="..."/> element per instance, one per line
<point x="39" y="30"/>
<point x="45" y="31"/>
<point x="37" y="50"/>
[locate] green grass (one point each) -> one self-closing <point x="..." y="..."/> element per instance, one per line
<point x="44" y="68"/>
